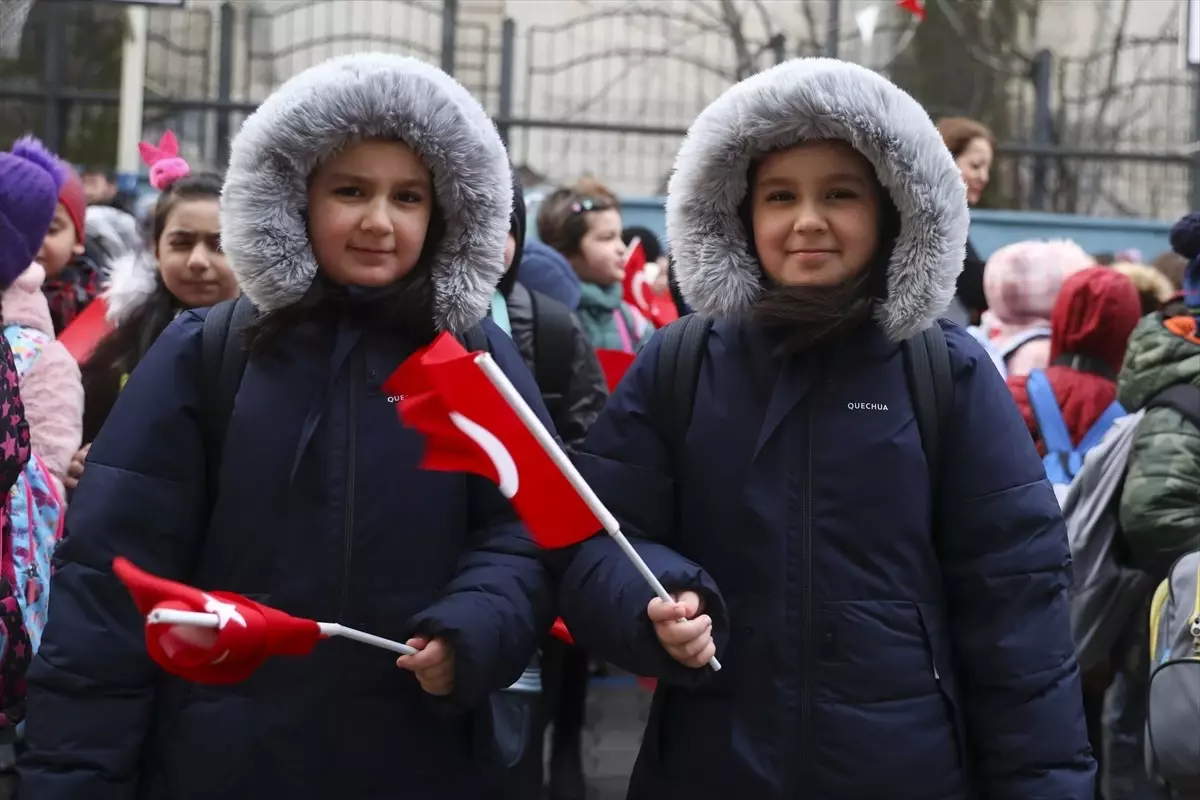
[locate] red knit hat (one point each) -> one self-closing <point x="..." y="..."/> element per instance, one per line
<point x="73" y="199"/>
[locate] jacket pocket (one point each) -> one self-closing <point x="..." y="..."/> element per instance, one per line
<point x="881" y="696"/>
<point x="942" y="666"/>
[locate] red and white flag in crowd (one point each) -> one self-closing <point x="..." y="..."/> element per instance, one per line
<point x="914" y="7"/>
<point x="638" y="287"/>
<point x="221" y="638"/>
<point x="471" y="424"/>
<point x="614" y="363"/>
<point x="86" y="330"/>
<point x="474" y="420"/>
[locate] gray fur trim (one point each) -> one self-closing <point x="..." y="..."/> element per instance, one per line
<point x="132" y="280"/>
<point x="800" y="100"/>
<point x="320" y="111"/>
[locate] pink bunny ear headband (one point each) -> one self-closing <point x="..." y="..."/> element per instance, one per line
<point x="166" y="166"/>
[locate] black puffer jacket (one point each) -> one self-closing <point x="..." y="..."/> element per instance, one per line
<point x="584" y="392"/>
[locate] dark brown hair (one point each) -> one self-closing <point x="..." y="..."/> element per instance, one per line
<point x="959" y="132"/>
<point x="123" y="348"/>
<point x="562" y="216"/>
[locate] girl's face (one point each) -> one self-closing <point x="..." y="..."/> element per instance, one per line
<point x="189" y="254"/>
<point x="975" y="164"/>
<point x="368" y="213"/>
<point x="61" y="244"/>
<point x="601" y="256"/>
<point x="815" y="214"/>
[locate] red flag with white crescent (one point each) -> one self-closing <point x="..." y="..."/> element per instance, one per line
<point x="248" y="633"/>
<point x="469" y="426"/>
<point x="638" y="289"/>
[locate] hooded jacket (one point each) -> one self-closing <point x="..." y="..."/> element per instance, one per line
<point x="319" y="508"/>
<point x="1095" y="312"/>
<point x="1160" y="501"/>
<point x="862" y="657"/>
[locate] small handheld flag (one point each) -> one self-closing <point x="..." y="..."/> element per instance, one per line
<point x="221" y="638"/>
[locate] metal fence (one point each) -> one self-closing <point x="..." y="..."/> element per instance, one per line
<point x="606" y="93"/>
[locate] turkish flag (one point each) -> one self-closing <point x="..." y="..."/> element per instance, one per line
<point x="248" y="633"/>
<point x="86" y="330"/>
<point x="914" y="7"/>
<point x="470" y="426"/>
<point x="615" y="364"/>
<point x="638" y="289"/>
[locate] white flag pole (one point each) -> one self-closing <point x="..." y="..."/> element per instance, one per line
<point x="200" y="619"/>
<point x="560" y="459"/>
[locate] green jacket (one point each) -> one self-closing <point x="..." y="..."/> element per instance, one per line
<point x="1160" y="502"/>
<point x="598" y="313"/>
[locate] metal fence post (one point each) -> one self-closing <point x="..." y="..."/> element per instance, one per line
<point x="225" y="80"/>
<point x="1043" y="125"/>
<point x="833" y="28"/>
<point x="778" y="45"/>
<point x="508" y="60"/>
<point x="53" y="61"/>
<point x="449" y="34"/>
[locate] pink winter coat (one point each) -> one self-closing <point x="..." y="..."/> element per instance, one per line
<point x="51" y="388"/>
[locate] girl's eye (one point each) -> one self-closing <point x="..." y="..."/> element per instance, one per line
<point x="408" y="197"/>
<point x="780" y="197"/>
<point x="841" y="194"/>
<point x="348" y="191"/>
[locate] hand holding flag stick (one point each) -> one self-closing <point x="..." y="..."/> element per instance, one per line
<point x="468" y="430"/>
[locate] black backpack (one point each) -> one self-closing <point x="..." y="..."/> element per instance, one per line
<point x="926" y="363"/>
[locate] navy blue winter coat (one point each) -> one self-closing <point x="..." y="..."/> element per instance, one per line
<point x="321" y="511"/>
<point x="862" y="657"/>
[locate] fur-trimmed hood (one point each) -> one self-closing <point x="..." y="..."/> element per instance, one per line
<point x="320" y="111"/>
<point x="132" y="280"/>
<point x="801" y="100"/>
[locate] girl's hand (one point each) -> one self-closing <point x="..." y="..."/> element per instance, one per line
<point x="686" y="637"/>
<point x="433" y="665"/>
<point x="75" y="470"/>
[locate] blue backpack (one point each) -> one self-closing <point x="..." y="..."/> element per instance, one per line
<point x="1063" y="460"/>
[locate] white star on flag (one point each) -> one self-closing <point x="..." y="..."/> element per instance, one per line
<point x="224" y="611"/>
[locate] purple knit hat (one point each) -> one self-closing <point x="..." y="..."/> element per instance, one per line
<point x="30" y="178"/>
<point x="1185" y="240"/>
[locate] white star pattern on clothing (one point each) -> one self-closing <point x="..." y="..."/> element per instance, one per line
<point x="224" y="611"/>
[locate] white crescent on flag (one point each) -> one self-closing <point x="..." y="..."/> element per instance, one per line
<point x="502" y="460"/>
<point x="638" y="286"/>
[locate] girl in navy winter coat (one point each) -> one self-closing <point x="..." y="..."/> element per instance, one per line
<point x="365" y="209"/>
<point x="816" y="214"/>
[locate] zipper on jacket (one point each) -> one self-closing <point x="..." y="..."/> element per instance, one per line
<point x="351" y="455"/>
<point x="806" y="640"/>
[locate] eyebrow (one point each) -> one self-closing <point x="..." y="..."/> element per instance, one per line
<point x="837" y="177"/>
<point x="350" y="177"/>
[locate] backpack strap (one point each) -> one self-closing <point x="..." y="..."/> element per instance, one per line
<point x="931" y="383"/>
<point x="553" y="350"/>
<point x="1051" y="425"/>
<point x="684" y="345"/>
<point x="223" y="359"/>
<point x="1100" y="427"/>
<point x="1184" y="398"/>
<point x="475" y="340"/>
